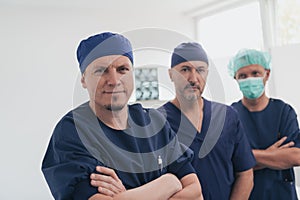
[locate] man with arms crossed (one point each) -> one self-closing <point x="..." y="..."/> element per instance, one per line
<point x="223" y="159"/>
<point x="271" y="126"/>
<point x="107" y="132"/>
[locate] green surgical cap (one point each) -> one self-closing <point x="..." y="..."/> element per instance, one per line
<point x="247" y="57"/>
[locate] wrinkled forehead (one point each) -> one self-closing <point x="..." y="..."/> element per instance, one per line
<point x="193" y="64"/>
<point x="111" y="60"/>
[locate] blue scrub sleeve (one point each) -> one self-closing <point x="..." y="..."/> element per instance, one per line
<point x="67" y="164"/>
<point x="243" y="158"/>
<point x="182" y="166"/>
<point x="182" y="156"/>
<point x="83" y="190"/>
<point x="289" y="125"/>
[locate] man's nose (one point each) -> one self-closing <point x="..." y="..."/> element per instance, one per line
<point x="113" y="78"/>
<point x="192" y="78"/>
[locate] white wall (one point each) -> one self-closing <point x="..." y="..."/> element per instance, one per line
<point x="39" y="74"/>
<point x="285" y="72"/>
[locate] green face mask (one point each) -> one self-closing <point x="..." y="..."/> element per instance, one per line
<point x="252" y="87"/>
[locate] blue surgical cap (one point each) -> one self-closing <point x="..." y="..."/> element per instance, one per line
<point x="103" y="44"/>
<point x="247" y="57"/>
<point x="190" y="51"/>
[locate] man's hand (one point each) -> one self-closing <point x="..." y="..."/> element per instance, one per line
<point x="161" y="188"/>
<point x="277" y="145"/>
<point x="107" y="181"/>
<point x="277" y="156"/>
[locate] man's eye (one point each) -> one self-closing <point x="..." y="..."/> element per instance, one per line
<point x="99" y="71"/>
<point x="241" y="76"/>
<point x="201" y="70"/>
<point x="123" y="69"/>
<point x="255" y="73"/>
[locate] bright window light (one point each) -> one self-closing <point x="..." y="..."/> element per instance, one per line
<point x="223" y="34"/>
<point x="289" y="21"/>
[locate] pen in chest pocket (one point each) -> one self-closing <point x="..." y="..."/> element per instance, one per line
<point x="160" y="163"/>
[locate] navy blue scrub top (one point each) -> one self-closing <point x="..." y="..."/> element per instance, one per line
<point x="220" y="149"/>
<point x="80" y="142"/>
<point x="263" y="129"/>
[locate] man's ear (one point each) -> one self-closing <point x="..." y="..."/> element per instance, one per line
<point x="82" y="80"/>
<point x="268" y="73"/>
<point x="171" y="74"/>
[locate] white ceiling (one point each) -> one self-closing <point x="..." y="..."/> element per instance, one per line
<point x="175" y="6"/>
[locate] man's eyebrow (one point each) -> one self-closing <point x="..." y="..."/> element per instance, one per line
<point x="201" y="66"/>
<point x="186" y="66"/>
<point x="100" y="66"/>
